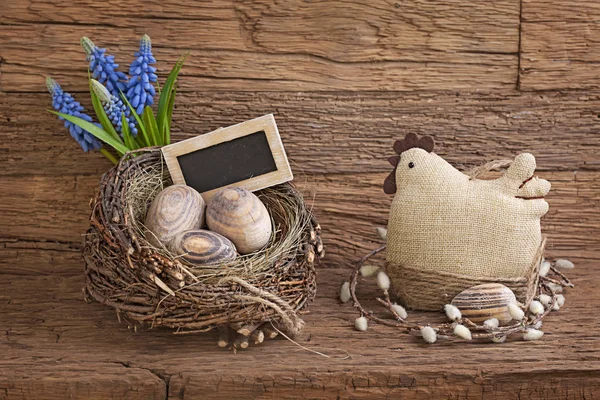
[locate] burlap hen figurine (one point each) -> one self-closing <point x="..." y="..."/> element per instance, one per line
<point x="448" y="232"/>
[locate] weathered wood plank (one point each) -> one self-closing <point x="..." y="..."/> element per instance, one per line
<point x="560" y="45"/>
<point x="281" y="46"/>
<point x="338" y="133"/>
<point x="499" y="19"/>
<point x="55" y="209"/>
<point x="77" y="380"/>
<point x="560" y="11"/>
<point x="435" y="382"/>
<point x="56" y="346"/>
<point x="64" y="333"/>
<point x="35" y="257"/>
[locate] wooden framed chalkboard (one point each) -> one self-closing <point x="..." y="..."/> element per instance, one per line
<point x="248" y="155"/>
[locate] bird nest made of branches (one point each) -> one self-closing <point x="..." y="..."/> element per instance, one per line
<point x="248" y="299"/>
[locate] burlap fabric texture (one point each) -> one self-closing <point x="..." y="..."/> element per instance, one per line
<point x="448" y="231"/>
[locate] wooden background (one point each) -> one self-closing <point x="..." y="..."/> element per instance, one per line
<point x="488" y="79"/>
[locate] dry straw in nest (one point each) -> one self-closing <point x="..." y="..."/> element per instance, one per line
<point x="152" y="287"/>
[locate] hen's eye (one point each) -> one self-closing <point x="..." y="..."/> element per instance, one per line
<point x="411" y="164"/>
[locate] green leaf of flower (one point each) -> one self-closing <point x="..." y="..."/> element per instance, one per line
<point x="165" y="98"/>
<point x="167" y="124"/>
<point x="150" y="123"/>
<point x="94" y="130"/>
<point x="129" y="142"/>
<point x="144" y="132"/>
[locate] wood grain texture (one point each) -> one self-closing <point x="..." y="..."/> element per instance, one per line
<point x="55" y="379"/>
<point x="29" y="215"/>
<point x="560" y="45"/>
<point x="276" y="46"/>
<point x="344" y="80"/>
<point x="559" y="10"/>
<point x="339" y="133"/>
<point x="65" y="334"/>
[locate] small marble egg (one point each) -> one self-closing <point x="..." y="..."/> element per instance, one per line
<point x="200" y="246"/>
<point x="240" y="216"/>
<point x="486" y="301"/>
<point x="176" y="209"/>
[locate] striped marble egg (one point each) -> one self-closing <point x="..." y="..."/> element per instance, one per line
<point x="176" y="209"/>
<point x="240" y="216"/>
<point x="200" y="247"/>
<point x="486" y="301"/>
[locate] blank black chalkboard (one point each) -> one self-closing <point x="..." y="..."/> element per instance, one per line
<point x="229" y="162"/>
<point x="249" y="155"/>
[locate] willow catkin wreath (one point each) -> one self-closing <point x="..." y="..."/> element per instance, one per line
<point x="249" y="298"/>
<point x="548" y="289"/>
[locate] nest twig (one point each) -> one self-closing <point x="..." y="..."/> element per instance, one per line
<point x="149" y="286"/>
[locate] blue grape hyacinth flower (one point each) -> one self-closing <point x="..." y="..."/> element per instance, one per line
<point x="65" y="103"/>
<point x="103" y="67"/>
<point x="140" y="88"/>
<point x="114" y="108"/>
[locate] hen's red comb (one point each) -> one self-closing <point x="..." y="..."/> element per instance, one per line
<point x="410" y="141"/>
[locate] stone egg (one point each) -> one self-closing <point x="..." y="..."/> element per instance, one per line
<point x="486" y="301"/>
<point x="200" y="247"/>
<point x="240" y="216"/>
<point x="176" y="209"/>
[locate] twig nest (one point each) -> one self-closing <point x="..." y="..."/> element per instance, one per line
<point x="482" y="302"/>
<point x="203" y="247"/>
<point x="240" y="216"/>
<point x="126" y="272"/>
<point x="176" y="209"/>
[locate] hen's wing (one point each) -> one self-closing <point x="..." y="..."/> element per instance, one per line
<point x="522" y="168"/>
<point x="534" y="188"/>
<point x="519" y="182"/>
